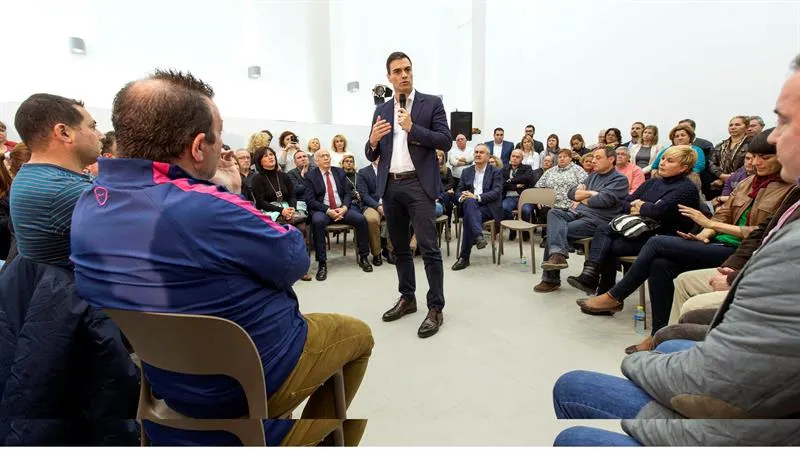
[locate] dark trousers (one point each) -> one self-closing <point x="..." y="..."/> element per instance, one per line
<point x="474" y="216"/>
<point x="320" y="220"/>
<point x="659" y="262"/>
<point x="406" y="203"/>
<point x="607" y="246"/>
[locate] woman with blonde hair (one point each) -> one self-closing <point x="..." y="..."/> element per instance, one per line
<point x="311" y="148"/>
<point x="260" y="139"/>
<point x="338" y="149"/>
<point x="657" y="199"/>
<point x="529" y="155"/>
<point x="644" y="153"/>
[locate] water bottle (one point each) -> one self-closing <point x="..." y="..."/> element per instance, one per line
<point x="638" y="320"/>
<point x="523" y="264"/>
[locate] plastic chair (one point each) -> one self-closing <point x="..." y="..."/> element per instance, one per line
<point x="202" y="345"/>
<point x="541" y="196"/>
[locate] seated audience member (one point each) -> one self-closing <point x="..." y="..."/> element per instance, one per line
<point x="328" y="196"/>
<point x="444" y="204"/>
<point x="743" y="378"/>
<point x="587" y="163"/>
<point x="499" y="147"/>
<point x="636" y="135"/>
<point x="460" y="157"/>
<point x="657" y="199"/>
<point x="552" y="148"/>
<point x="755" y="125"/>
<point x="288" y="145"/>
<point x="516" y="178"/>
<point x="578" y="145"/>
<point x="529" y="155"/>
<point x="338" y="150"/>
<point x="601" y="140"/>
<point x="495" y="161"/>
<point x="261" y="139"/>
<point x="63" y="139"/>
<point x="480" y="195"/>
<point x="312" y="147"/>
<point x="663" y="258"/>
<point x="247" y="174"/>
<point x="683" y="135"/>
<point x="372" y="209"/>
<point x="595" y="203"/>
<point x="274" y="192"/>
<point x="561" y="178"/>
<point x="5" y="229"/>
<point x="538" y="147"/>
<point x="5" y="145"/>
<point x="349" y="167"/>
<point x="632" y="172"/>
<point x="167" y="222"/>
<point x="613" y="137"/>
<point x="728" y="155"/>
<point x="736" y="177"/>
<point x="298" y="174"/>
<point x="644" y="154"/>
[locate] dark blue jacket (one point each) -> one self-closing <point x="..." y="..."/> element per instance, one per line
<point x="316" y="189"/>
<point x="63" y="361"/>
<point x="505" y="154"/>
<point x="367" y="186"/>
<point x="429" y="133"/>
<point x="492" y="195"/>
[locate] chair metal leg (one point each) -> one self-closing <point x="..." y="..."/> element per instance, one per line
<point x="344" y="244"/>
<point x="458" y="239"/>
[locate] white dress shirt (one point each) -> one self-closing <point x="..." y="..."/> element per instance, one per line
<point x="479" y="181"/>
<point x="401" y="157"/>
<point x="457" y="153"/>
<point x="335" y="190"/>
<point x="375" y="168"/>
<point x="497" y="149"/>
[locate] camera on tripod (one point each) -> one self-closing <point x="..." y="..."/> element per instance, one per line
<point x="380" y="93"/>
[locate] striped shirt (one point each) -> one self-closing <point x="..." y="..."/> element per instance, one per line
<point x="43" y="197"/>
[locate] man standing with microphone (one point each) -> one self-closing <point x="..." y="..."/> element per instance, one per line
<point x="405" y="135"/>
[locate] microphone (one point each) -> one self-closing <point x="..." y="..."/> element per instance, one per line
<point x="403" y="101"/>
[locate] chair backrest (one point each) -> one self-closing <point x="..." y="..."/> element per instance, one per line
<point x="198" y="345"/>
<point x="540" y="196"/>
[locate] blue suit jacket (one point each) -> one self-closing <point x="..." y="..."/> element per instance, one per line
<point x="316" y="189"/>
<point x="367" y="186"/>
<point x="492" y="195"/>
<point x="429" y="132"/>
<point x="505" y="155"/>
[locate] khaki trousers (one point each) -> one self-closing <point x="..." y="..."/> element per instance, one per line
<point x="688" y="285"/>
<point x="374" y="230"/>
<point x="334" y="342"/>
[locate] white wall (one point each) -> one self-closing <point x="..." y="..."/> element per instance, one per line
<point x="582" y="65"/>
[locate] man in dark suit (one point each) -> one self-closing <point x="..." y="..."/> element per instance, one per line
<point x="500" y="148"/>
<point x="327" y="196"/>
<point x="480" y="193"/>
<point x="406" y="137"/>
<point x="372" y="208"/>
<point x="298" y="174"/>
<point x="516" y="178"/>
<point x="538" y="147"/>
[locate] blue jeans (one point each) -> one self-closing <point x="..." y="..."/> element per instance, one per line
<point x="581" y="394"/>
<point x="509" y="205"/>
<point x="593" y="437"/>
<point x="675" y="345"/>
<point x="659" y="262"/>
<point x="562" y="227"/>
<point x="439" y="209"/>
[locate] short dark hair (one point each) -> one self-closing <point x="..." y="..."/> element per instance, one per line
<point x="531" y="126"/>
<point x="395" y="56"/>
<point x="160" y="124"/>
<point x="640" y="123"/>
<point x="760" y="146"/>
<point x="259" y="155"/>
<point x="498" y="129"/>
<point x="796" y="63"/>
<point x="609" y="150"/>
<point x="39" y="113"/>
<point x="691" y="122"/>
<point x="108" y="142"/>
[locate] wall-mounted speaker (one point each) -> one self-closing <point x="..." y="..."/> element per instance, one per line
<point x="461" y="123"/>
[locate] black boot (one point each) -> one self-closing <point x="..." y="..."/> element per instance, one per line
<point x="587" y="280"/>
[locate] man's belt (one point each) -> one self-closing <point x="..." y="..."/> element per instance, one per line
<point x="403" y="175"/>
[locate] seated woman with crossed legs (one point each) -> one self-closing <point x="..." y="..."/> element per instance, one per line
<point x="663" y="258"/>
<point x="657" y="199"/>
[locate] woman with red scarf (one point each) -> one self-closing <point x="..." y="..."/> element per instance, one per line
<point x="665" y="257"/>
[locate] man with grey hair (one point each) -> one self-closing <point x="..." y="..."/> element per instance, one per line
<point x="755" y="125"/>
<point x="460" y="157"/>
<point x="741" y="384"/>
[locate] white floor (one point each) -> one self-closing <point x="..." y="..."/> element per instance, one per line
<point x="486" y="378"/>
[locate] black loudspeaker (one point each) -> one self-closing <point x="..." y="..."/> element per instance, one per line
<point x="461" y="123"/>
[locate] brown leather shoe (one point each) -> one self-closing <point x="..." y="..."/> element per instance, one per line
<point x="400" y="309"/>
<point x="556" y="261"/>
<point x="609" y="310"/>
<point x="648" y="344"/>
<point x="546" y="287"/>
<point x="306" y="277"/>
<point x="431" y="324"/>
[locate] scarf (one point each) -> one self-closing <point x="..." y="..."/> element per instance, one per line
<point x="760" y="182"/>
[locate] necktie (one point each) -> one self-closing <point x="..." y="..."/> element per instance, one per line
<point x="331" y="196"/>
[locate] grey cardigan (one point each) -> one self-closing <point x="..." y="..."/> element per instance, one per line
<point x="748" y="366"/>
